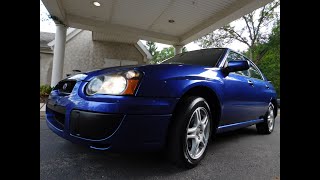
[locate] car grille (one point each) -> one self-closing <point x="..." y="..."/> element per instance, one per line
<point x="65" y="86"/>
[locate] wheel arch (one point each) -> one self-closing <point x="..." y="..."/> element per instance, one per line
<point x="275" y="105"/>
<point x="210" y="96"/>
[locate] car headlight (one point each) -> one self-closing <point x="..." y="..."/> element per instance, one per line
<point x="122" y="83"/>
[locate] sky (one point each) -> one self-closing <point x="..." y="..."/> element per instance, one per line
<point x="49" y="26"/>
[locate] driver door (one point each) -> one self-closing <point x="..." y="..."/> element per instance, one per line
<point x="239" y="95"/>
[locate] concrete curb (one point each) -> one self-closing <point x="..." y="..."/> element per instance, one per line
<point x="42" y="109"/>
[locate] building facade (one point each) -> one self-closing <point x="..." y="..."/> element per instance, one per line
<point x="84" y="54"/>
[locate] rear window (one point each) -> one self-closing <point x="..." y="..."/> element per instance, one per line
<point x="203" y="57"/>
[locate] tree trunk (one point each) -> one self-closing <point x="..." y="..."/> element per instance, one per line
<point x="250" y="54"/>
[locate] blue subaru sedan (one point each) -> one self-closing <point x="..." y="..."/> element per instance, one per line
<point x="176" y="106"/>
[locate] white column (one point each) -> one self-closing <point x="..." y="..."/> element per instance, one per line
<point x="58" y="54"/>
<point x="177" y="49"/>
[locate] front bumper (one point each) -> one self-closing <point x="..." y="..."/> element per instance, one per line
<point x="116" y="123"/>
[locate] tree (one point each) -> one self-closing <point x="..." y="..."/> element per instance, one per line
<point x="269" y="63"/>
<point x="152" y="48"/>
<point x="159" y="56"/>
<point x="44" y="15"/>
<point x="165" y="53"/>
<point x="184" y="49"/>
<point x="252" y="32"/>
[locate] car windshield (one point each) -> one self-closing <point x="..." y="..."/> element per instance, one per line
<point x="204" y="57"/>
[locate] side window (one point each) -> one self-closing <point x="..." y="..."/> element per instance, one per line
<point x="232" y="56"/>
<point x="254" y="72"/>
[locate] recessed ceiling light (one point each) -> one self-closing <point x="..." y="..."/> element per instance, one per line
<point x="171" y="21"/>
<point x="96" y="3"/>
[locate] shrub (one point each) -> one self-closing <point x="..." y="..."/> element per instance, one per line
<point x="45" y="90"/>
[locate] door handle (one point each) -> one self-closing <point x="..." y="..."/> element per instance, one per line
<point x="250" y="82"/>
<point x="267" y="86"/>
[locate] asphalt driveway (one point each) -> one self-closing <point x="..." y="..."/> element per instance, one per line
<point x="242" y="154"/>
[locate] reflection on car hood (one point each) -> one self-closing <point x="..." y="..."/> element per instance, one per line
<point x="176" y="69"/>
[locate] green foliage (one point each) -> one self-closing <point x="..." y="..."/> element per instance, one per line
<point x="159" y="56"/>
<point x="251" y="30"/>
<point x="263" y="46"/>
<point x="165" y="53"/>
<point x="152" y="48"/>
<point x="269" y="63"/>
<point x="45" y="90"/>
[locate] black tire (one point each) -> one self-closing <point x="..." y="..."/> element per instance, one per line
<point x="178" y="145"/>
<point x="263" y="127"/>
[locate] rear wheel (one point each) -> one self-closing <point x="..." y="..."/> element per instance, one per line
<point x="267" y="126"/>
<point x="190" y="132"/>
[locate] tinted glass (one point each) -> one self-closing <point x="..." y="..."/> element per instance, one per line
<point x="232" y="56"/>
<point x="253" y="72"/>
<point x="204" y="57"/>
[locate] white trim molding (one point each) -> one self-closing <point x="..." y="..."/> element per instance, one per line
<point x="71" y="32"/>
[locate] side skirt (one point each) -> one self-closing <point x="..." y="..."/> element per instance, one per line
<point x="239" y="125"/>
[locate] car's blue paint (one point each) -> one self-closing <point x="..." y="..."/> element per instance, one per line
<point x="239" y="100"/>
<point x="147" y="114"/>
<point x="238" y="125"/>
<point x="136" y="132"/>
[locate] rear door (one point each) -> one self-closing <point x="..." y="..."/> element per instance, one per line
<point x="239" y="95"/>
<point x="261" y="93"/>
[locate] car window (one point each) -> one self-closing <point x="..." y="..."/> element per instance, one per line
<point x="204" y="57"/>
<point x="232" y="56"/>
<point x="254" y="72"/>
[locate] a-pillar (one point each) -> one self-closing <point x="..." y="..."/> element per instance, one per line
<point x="58" y="54"/>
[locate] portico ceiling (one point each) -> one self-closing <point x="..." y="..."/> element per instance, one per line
<point x="131" y="20"/>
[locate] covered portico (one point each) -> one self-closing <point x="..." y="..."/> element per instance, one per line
<point x="173" y="22"/>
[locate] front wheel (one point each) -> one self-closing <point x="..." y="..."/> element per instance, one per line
<point x="267" y="126"/>
<point x="190" y="132"/>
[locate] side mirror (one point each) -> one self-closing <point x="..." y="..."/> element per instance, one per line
<point x="234" y="66"/>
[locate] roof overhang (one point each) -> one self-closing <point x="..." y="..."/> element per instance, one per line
<point x="72" y="32"/>
<point x="46" y="50"/>
<point x="129" y="20"/>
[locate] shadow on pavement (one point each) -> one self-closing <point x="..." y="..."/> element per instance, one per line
<point x="135" y="165"/>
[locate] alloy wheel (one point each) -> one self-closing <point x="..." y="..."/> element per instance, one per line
<point x="270" y="118"/>
<point x="198" y="131"/>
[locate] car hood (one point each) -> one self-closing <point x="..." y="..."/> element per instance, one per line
<point x="158" y="71"/>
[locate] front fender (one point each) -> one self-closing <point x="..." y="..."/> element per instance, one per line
<point x="175" y="85"/>
<point x="215" y="86"/>
<point x="172" y="81"/>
